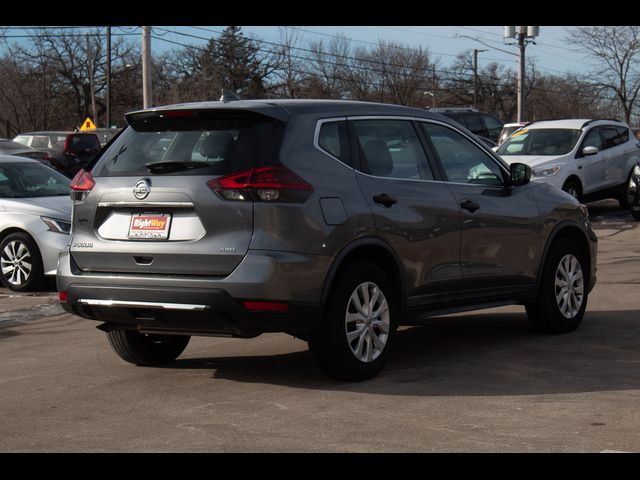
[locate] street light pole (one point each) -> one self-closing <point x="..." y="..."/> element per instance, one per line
<point x="475" y="76"/>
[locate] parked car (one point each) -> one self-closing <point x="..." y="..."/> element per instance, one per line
<point x="508" y="129"/>
<point x="478" y="123"/>
<point x="35" y="218"/>
<point x="74" y="152"/>
<point x="9" y="147"/>
<point x="42" y="140"/>
<point x="333" y="221"/>
<point x="590" y="159"/>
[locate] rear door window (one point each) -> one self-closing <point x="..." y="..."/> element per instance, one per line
<point x="391" y="148"/>
<point x="612" y="137"/>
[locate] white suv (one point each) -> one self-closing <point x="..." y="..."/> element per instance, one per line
<point x="590" y="159"/>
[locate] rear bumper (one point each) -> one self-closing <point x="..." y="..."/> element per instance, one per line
<point x="185" y="311"/>
<point x="203" y="306"/>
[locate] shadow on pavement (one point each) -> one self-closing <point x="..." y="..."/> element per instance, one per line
<point x="489" y="354"/>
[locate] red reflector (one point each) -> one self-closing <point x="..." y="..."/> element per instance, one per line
<point x="83" y="181"/>
<point x="266" y="306"/>
<point x="62" y="296"/>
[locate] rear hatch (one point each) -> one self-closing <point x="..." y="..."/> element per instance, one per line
<point x="147" y="205"/>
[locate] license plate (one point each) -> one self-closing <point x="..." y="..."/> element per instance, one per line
<point x="150" y="226"/>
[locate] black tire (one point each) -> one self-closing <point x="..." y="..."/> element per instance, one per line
<point x="20" y="279"/>
<point x="572" y="187"/>
<point x="624" y="202"/>
<point x="147" y="349"/>
<point x="635" y="214"/>
<point x="330" y="345"/>
<point x="546" y="315"/>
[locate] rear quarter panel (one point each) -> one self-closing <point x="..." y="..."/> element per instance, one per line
<point x="306" y="228"/>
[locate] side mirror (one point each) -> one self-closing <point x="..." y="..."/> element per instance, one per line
<point x="520" y="174"/>
<point x="589" y="151"/>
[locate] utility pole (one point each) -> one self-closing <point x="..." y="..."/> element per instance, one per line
<point x="521" y="75"/>
<point x="524" y="35"/>
<point x="91" y="79"/>
<point x="475" y="76"/>
<point x="108" y="113"/>
<point x="146" y="67"/>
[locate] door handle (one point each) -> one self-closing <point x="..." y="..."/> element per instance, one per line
<point x="384" y="199"/>
<point x="469" y="205"/>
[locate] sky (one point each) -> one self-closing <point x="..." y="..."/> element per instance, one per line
<point x="551" y="51"/>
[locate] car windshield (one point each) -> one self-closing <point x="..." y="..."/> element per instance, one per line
<point x="28" y="180"/>
<point x="540" y="141"/>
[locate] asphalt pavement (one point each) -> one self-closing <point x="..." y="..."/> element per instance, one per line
<point x="473" y="382"/>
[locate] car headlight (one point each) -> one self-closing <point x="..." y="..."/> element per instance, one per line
<point x="57" y="225"/>
<point x="545" y="171"/>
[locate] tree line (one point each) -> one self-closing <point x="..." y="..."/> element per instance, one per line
<point x="56" y="78"/>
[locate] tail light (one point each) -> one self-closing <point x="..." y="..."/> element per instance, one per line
<point x="81" y="185"/>
<point x="264" y="184"/>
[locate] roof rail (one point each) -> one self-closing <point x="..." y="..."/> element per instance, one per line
<point x="601" y="119"/>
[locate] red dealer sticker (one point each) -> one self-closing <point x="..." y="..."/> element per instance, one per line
<point x="150" y="226"/>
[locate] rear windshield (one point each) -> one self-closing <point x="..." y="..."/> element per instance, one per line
<point x="224" y="142"/>
<point x="84" y="143"/>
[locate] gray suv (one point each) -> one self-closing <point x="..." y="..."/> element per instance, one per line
<point x="332" y="221"/>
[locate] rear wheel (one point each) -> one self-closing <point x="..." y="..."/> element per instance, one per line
<point x="147" y="349"/>
<point x="353" y="342"/>
<point x="20" y="263"/>
<point x="562" y="299"/>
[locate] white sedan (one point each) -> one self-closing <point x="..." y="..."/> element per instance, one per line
<point x="35" y="220"/>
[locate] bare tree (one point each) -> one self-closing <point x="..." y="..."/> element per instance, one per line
<point x="616" y="52"/>
<point x="327" y="68"/>
<point x="290" y="63"/>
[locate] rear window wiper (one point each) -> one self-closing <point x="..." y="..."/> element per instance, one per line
<point x="174" y="166"/>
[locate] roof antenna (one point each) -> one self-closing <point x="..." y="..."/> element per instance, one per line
<point x="229" y="96"/>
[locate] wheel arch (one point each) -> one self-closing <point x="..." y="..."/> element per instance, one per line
<point x="574" y="178"/>
<point x="568" y="230"/>
<point x="369" y="249"/>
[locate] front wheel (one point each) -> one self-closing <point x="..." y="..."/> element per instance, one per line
<point x="147" y="349"/>
<point x="572" y="187"/>
<point x="354" y="340"/>
<point x="562" y="299"/>
<point x="20" y="263"/>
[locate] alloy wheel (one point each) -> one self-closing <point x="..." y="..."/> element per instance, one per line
<point x="569" y="286"/>
<point x="367" y="322"/>
<point x="16" y="263"/>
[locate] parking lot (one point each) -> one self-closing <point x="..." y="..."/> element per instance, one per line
<point x="476" y="382"/>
